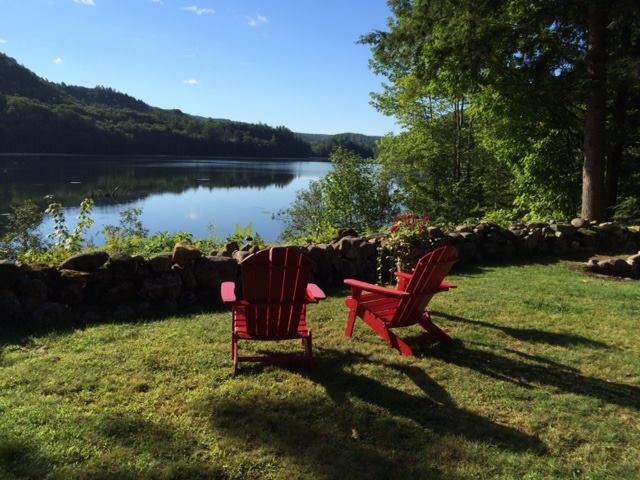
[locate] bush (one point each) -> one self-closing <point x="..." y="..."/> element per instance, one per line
<point x="354" y="194"/>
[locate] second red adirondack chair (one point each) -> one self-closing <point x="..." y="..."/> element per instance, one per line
<point x="385" y="308"/>
<point x="275" y="291"/>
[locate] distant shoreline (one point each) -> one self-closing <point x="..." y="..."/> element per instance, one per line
<point x="168" y="156"/>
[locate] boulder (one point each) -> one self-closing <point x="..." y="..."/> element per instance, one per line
<point x="560" y="246"/>
<point x="161" y="263"/>
<point x="579" y="223"/>
<point x="469" y="236"/>
<point x="165" y="286"/>
<point x="621" y="268"/>
<point x="123" y="263"/>
<point x="188" y="277"/>
<point x="9" y="273"/>
<point x="231" y="247"/>
<point x="563" y="230"/>
<point x="530" y="242"/>
<point x="210" y="272"/>
<point x="240" y="255"/>
<point x="49" y="316"/>
<point x="12" y="313"/>
<point x="345" y="232"/>
<point x="185" y="254"/>
<point x="368" y="249"/>
<point x="32" y="293"/>
<point x="121" y="293"/>
<point x="464" y="229"/>
<point x="467" y="251"/>
<point x="534" y="225"/>
<point x="123" y="313"/>
<point x="70" y="293"/>
<point x="86" y="262"/>
<point x="634" y="259"/>
<point x="76" y="276"/>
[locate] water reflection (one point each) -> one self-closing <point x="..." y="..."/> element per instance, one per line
<point x="175" y="194"/>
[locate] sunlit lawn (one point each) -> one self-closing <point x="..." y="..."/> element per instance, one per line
<point x="543" y="382"/>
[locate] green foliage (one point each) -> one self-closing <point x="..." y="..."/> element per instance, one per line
<point x="355" y="194"/>
<point x="21" y="231"/>
<point x="241" y="233"/>
<point x="502" y="217"/>
<point x="434" y="179"/>
<point x="128" y="235"/>
<point x="627" y="211"/>
<point x="524" y="73"/>
<point x="70" y="242"/>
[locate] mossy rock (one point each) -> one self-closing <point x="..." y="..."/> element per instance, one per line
<point x="587" y="232"/>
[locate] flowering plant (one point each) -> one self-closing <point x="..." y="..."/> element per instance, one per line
<point x="408" y="239"/>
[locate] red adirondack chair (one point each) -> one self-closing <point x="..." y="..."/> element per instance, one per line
<point x="386" y="308"/>
<point x="275" y="291"/>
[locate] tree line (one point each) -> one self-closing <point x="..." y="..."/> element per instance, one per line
<point x="512" y="109"/>
<point x="37" y="116"/>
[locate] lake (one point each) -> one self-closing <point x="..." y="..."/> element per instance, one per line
<point x="175" y="194"/>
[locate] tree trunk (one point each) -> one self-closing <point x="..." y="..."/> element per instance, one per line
<point x="594" y="199"/>
<point x="618" y="140"/>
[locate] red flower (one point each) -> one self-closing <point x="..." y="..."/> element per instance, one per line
<point x="427" y="218"/>
<point x="394" y="229"/>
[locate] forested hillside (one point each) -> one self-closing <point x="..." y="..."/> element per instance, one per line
<point x="324" y="145"/>
<point x="38" y="116"/>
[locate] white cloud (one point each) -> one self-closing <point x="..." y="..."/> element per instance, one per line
<point x="257" y="20"/>
<point x="2" y="40"/>
<point x="58" y="60"/>
<point x="156" y="1"/>
<point x="90" y="3"/>
<point x="199" y="11"/>
<point x="191" y="81"/>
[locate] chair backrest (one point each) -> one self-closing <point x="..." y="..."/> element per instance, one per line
<point x="429" y="273"/>
<point x="274" y="286"/>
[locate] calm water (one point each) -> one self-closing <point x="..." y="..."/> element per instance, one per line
<point x="175" y="194"/>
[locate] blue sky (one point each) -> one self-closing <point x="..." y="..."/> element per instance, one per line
<point x="281" y="62"/>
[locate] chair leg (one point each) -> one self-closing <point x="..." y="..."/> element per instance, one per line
<point x="391" y="338"/>
<point x="234" y="353"/>
<point x="351" y="321"/>
<point x="308" y="349"/>
<point x="400" y="345"/>
<point x="433" y="329"/>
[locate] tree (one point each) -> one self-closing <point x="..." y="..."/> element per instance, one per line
<point x="354" y="194"/>
<point x="518" y="58"/>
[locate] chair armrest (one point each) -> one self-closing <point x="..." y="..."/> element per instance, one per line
<point x="447" y="285"/>
<point x="406" y="276"/>
<point x="368" y="287"/>
<point x="315" y="293"/>
<point x="228" y="292"/>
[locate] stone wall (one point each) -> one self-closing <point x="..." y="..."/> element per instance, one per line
<point x="96" y="287"/>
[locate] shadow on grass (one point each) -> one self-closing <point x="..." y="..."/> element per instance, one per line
<point x="529" y="335"/>
<point x="366" y="429"/>
<point x="24" y="336"/>
<point x="537" y="371"/>
<point x="20" y="459"/>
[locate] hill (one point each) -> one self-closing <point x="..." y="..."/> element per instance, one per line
<point x="38" y="116"/>
<point x="323" y="145"/>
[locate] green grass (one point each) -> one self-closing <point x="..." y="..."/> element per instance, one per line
<point x="542" y="383"/>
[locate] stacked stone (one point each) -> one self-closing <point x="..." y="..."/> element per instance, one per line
<point x="97" y="287"/>
<point x="619" y="267"/>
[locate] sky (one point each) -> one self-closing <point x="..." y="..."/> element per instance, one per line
<point x="281" y="62"/>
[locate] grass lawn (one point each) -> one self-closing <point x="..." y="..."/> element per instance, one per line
<point x="543" y="382"/>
